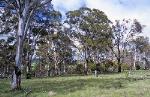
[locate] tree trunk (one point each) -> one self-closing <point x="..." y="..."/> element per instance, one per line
<point x="64" y="71"/>
<point x="28" y="74"/>
<point x="119" y="65"/>
<point x="119" y="56"/>
<point x="95" y="72"/>
<point x="55" y="59"/>
<point x="86" y="62"/>
<point x="134" y="64"/>
<point x="119" y="60"/>
<point x="16" y="82"/>
<point x="86" y="67"/>
<point x="55" y="64"/>
<point x="56" y="69"/>
<point x="16" y="77"/>
<point x="49" y="71"/>
<point x="144" y="62"/>
<point x="29" y="56"/>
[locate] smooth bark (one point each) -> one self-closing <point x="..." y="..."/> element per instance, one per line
<point x="16" y="77"/>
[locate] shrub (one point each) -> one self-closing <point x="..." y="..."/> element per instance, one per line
<point x="28" y="76"/>
<point x="125" y="66"/>
<point x="106" y="65"/>
<point x="138" y="65"/>
<point x="79" y="68"/>
<point x="71" y="69"/>
<point x="92" y="66"/>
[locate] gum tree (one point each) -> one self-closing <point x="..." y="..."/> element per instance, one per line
<point x="24" y="10"/>
<point x="91" y="28"/>
<point x="123" y="32"/>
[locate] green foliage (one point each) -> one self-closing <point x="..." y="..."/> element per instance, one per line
<point x="71" y="69"/>
<point x="80" y="68"/>
<point x="7" y="53"/>
<point x="125" y="66"/>
<point x="123" y="32"/>
<point x="139" y="65"/>
<point x="92" y="66"/>
<point x="106" y="65"/>
<point x="28" y="76"/>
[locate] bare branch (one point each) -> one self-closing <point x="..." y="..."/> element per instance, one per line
<point x="27" y="23"/>
<point x="18" y="3"/>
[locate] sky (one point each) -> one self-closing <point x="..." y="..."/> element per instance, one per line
<point x="114" y="9"/>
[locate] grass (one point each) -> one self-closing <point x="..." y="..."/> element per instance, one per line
<point x="136" y="84"/>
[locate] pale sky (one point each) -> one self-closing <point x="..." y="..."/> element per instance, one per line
<point x="114" y="9"/>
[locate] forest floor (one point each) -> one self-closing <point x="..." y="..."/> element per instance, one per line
<point x="136" y="84"/>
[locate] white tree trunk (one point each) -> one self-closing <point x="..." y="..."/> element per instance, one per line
<point x="96" y="75"/>
<point x="16" y="77"/>
<point x="64" y="69"/>
<point x="13" y="81"/>
<point x="144" y="59"/>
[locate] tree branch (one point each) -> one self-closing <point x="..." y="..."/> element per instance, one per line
<point x="33" y="3"/>
<point x="44" y="3"/>
<point x="18" y="3"/>
<point x="27" y="23"/>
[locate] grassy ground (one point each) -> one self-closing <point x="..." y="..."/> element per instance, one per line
<point x="136" y="84"/>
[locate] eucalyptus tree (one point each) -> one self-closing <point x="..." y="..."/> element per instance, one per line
<point x="91" y="28"/>
<point x="55" y="50"/>
<point x="7" y="56"/>
<point x="24" y="9"/>
<point x="141" y="46"/>
<point x="61" y="48"/>
<point x="53" y="43"/>
<point x="42" y="22"/>
<point x="123" y="32"/>
<point x="7" y="37"/>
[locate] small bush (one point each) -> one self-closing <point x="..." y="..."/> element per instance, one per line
<point x="138" y="67"/>
<point x="125" y="66"/>
<point x="92" y="66"/>
<point x="79" y="68"/>
<point x="106" y="65"/>
<point x="28" y="76"/>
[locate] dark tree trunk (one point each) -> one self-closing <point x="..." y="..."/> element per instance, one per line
<point x="29" y="56"/>
<point x="86" y="61"/>
<point x="49" y="71"/>
<point x="119" y="56"/>
<point x="119" y="65"/>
